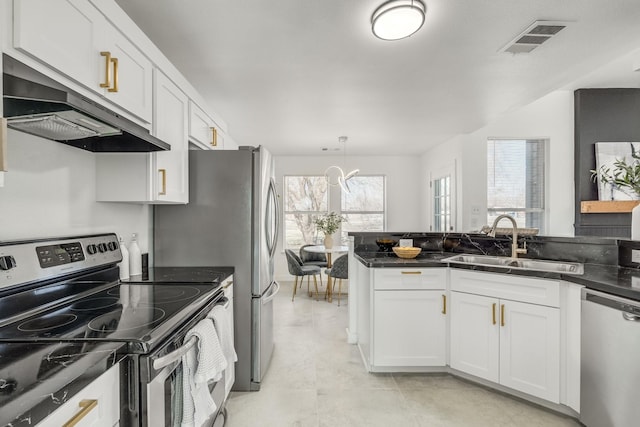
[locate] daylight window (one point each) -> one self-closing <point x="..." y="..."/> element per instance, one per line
<point x="305" y="198"/>
<point x="515" y="181"/>
<point x="364" y="206"/>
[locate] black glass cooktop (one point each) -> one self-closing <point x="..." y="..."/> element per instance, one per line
<point x="141" y="313"/>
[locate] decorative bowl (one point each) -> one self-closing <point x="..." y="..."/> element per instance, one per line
<point x="385" y="245"/>
<point x="406" y="252"/>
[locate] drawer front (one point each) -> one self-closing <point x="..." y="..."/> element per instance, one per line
<point x="507" y="286"/>
<point x="409" y="278"/>
<point x="96" y="405"/>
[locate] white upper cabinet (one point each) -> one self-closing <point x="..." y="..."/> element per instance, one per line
<point x="61" y="34"/>
<point x="170" y="168"/>
<point x="130" y="82"/>
<point x="75" y="39"/>
<point x="203" y="130"/>
<point x="159" y="177"/>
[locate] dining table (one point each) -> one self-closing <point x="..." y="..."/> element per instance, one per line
<point x="321" y="249"/>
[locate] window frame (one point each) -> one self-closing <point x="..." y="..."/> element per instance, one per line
<point x="366" y="212"/>
<point x="544" y="210"/>
<point x="285" y="204"/>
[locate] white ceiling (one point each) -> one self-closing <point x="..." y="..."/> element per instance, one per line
<point x="293" y="75"/>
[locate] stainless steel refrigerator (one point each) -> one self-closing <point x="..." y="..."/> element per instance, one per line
<point x="231" y="220"/>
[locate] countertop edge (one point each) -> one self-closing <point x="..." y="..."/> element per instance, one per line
<point x="612" y="279"/>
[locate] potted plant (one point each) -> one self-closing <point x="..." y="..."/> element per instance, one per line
<point x="329" y="224"/>
<point x="624" y="176"/>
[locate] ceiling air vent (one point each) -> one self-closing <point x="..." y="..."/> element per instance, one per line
<point x="537" y="33"/>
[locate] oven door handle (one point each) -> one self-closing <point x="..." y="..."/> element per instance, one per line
<point x="177" y="354"/>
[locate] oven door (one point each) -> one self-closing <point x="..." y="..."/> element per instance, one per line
<point x="163" y="397"/>
<point x="162" y="394"/>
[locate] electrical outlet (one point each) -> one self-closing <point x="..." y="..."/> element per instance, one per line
<point x="635" y="256"/>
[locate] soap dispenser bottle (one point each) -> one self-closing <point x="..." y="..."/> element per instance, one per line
<point x="135" y="257"/>
<point x="124" y="265"/>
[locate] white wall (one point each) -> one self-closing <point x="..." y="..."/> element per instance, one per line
<point x="49" y="191"/>
<point x="404" y="191"/>
<point x="550" y="117"/>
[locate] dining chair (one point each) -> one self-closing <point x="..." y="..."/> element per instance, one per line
<point x="297" y="269"/>
<point x="339" y="270"/>
<point x="313" y="258"/>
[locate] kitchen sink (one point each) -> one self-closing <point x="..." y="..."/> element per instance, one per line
<point x="520" y="264"/>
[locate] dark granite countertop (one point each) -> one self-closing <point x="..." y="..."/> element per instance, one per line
<point x="620" y="281"/>
<point x="37" y="378"/>
<point x="204" y="275"/>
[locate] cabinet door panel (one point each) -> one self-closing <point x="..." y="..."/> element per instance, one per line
<point x="530" y="349"/>
<point x="409" y="328"/>
<point x="474" y="336"/>
<point x="135" y="77"/>
<point x="69" y="48"/>
<point x="170" y="174"/>
<point x="200" y="124"/>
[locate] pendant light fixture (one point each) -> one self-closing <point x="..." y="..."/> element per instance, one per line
<point x="398" y="19"/>
<point x="341" y="178"/>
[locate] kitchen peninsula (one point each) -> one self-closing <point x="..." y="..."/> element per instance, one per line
<point x="512" y="329"/>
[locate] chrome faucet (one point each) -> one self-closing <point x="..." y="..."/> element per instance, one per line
<point x="515" y="250"/>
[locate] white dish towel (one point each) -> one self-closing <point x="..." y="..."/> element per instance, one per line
<point x="222" y="321"/>
<point x="204" y="362"/>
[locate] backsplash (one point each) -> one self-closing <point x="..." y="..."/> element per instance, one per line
<point x="591" y="250"/>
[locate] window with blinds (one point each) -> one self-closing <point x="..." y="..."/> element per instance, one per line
<point x="516" y="180"/>
<point x="364" y="205"/>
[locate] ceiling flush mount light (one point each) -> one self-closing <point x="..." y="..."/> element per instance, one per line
<point x="340" y="178"/>
<point x="398" y="19"/>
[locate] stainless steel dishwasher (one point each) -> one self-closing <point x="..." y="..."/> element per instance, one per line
<point x="610" y="360"/>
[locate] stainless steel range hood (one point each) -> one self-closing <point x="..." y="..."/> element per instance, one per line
<point x="35" y="104"/>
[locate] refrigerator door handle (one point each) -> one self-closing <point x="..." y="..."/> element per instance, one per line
<point x="273" y="293"/>
<point x="277" y="210"/>
<point x="272" y="222"/>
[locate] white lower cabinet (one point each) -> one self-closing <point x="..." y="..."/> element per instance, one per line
<point x="96" y="405"/>
<point x="474" y="336"/>
<point x="409" y="328"/>
<point x="513" y="343"/>
<point x="408" y="319"/>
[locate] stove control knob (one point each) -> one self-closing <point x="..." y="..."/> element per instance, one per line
<point x="102" y="247"/>
<point x="113" y="246"/>
<point x="7" y="262"/>
<point x="92" y="249"/>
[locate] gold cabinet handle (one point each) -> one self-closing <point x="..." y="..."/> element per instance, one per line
<point x="444" y="304"/>
<point x="107" y="69"/>
<point x="411" y="272"/>
<point x="86" y="406"/>
<point x="114" y="88"/>
<point x="493" y="312"/>
<point x="228" y="284"/>
<point x="501" y="314"/>
<point x="163" y="181"/>
<point x="214" y="137"/>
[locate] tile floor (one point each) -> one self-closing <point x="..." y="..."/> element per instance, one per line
<point x="316" y="379"/>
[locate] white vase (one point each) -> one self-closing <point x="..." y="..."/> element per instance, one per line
<point x="328" y="241"/>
